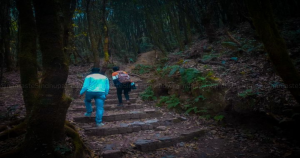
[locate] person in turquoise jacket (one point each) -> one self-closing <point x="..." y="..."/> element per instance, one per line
<point x="96" y="86"/>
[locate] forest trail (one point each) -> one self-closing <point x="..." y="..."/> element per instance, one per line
<point x="145" y="130"/>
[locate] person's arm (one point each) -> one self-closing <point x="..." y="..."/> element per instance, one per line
<point x="114" y="78"/>
<point x="85" y="86"/>
<point x="106" y="86"/>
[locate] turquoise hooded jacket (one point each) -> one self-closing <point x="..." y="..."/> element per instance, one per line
<point x="95" y="83"/>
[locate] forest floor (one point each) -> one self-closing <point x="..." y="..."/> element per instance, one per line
<point x="245" y="66"/>
<point x="219" y="141"/>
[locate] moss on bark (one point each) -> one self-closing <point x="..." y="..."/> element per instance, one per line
<point x="262" y="16"/>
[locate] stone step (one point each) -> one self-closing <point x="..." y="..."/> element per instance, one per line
<point x="120" y="115"/>
<point x="112" y="91"/>
<point x="136" y="126"/>
<point x="107" y="101"/>
<point x="138" y="85"/>
<point x="114" y="96"/>
<point x="145" y="145"/>
<point x="106" y="107"/>
<point x="146" y="140"/>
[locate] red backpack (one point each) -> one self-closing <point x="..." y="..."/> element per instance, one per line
<point x="123" y="77"/>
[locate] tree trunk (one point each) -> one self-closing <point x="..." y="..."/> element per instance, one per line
<point x="1" y="63"/>
<point x="106" y="44"/>
<point x="5" y="32"/>
<point x="262" y="15"/>
<point x="94" y="45"/>
<point x="206" y="18"/>
<point x="27" y="55"/>
<point x="47" y="119"/>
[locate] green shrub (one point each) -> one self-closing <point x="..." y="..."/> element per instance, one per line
<point x="246" y="93"/>
<point x="148" y="95"/>
<point x="142" y="69"/>
<point x="219" y="117"/>
<point x="170" y="101"/>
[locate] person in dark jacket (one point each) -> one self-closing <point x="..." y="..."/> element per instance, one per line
<point x="121" y="87"/>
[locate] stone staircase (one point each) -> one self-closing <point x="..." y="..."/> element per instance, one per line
<point x="137" y="126"/>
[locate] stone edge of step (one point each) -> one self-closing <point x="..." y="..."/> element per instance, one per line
<point x="119" y="117"/>
<point x="149" y="145"/>
<point x="138" y="126"/>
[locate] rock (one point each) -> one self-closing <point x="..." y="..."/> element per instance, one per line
<point x="288" y="112"/>
<point x="151" y="121"/>
<point x="112" y="154"/>
<point x="181" y="144"/>
<point x="296" y="117"/>
<point x="287" y="123"/>
<point x="213" y="131"/>
<point x="161" y="128"/>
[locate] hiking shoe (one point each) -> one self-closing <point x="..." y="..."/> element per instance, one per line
<point x="99" y="124"/>
<point x="87" y="114"/>
<point x="128" y="102"/>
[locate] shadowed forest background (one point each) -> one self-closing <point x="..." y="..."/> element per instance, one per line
<point x="233" y="64"/>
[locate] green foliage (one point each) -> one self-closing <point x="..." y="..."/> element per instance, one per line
<point x="219" y="117"/>
<point x="62" y="149"/>
<point x="170" y="101"/>
<point x="142" y="69"/>
<point x="208" y="57"/>
<point x="148" y="95"/>
<point x="199" y="97"/>
<point x="191" y="108"/>
<point x="188" y="75"/>
<point x="246" y="93"/>
<point x="205" y="117"/>
<point x="174" y="69"/>
<point x="230" y="45"/>
<point x="247" y="45"/>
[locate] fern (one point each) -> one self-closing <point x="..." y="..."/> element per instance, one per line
<point x="142" y="69"/>
<point x="208" y="85"/>
<point x="199" y="97"/>
<point x="189" y="75"/>
<point x="148" y="94"/>
<point x="219" y="117"/>
<point x="246" y="93"/>
<point x="170" y="101"/>
<point x="175" y="68"/>
<point x="191" y="109"/>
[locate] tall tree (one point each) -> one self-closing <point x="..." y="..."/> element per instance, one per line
<point x="262" y="15"/>
<point x="46" y="126"/>
<point x="27" y="54"/>
<point x="5" y="7"/>
<point x="92" y="35"/>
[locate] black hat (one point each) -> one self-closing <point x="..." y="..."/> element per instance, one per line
<point x="95" y="70"/>
<point x="116" y="68"/>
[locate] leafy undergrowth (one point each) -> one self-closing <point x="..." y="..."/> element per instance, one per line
<point x="231" y="81"/>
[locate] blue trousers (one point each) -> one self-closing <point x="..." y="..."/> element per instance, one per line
<point x="99" y="98"/>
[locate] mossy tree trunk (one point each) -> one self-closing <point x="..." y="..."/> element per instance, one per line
<point x="45" y="124"/>
<point x="262" y="16"/>
<point x="94" y="44"/>
<point x="27" y="55"/>
<point x="105" y="28"/>
<point x="206" y="18"/>
<point x="5" y="32"/>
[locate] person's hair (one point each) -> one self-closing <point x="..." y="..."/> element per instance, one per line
<point x="95" y="70"/>
<point x="116" y="68"/>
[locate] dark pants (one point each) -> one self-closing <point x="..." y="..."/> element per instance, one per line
<point x="123" y="87"/>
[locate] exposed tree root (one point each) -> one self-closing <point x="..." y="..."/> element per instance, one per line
<point x="80" y="149"/>
<point x="14" y="132"/>
<point x="4" y="127"/>
<point x="12" y="154"/>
